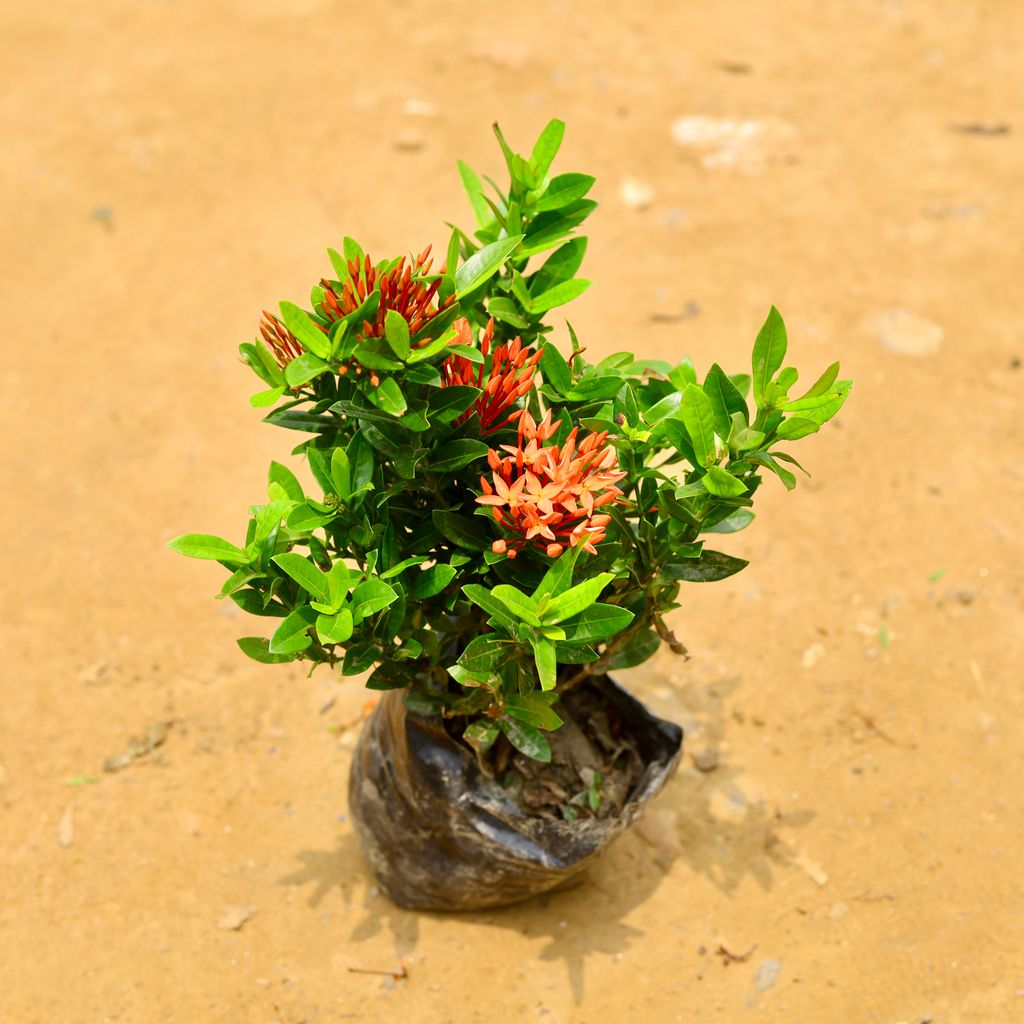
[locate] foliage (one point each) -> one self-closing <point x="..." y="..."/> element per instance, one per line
<point x="491" y="520"/>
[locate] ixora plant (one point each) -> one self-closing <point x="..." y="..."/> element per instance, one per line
<point x="491" y="526"/>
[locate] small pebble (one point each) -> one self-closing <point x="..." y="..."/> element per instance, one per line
<point x="103" y="215"/>
<point x="905" y="333"/>
<point x="706" y="760"/>
<point x="725" y="144"/>
<point x="636" y="194"/>
<point x="66" y="826"/>
<point x="408" y="143"/>
<point x="419" y="108"/>
<point x="838" y="911"/>
<point x="813" y="655"/>
<point x="234" y="917"/>
<point x="767" y="974"/>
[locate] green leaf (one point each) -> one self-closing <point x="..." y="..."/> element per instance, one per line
<point x="465" y="531"/>
<point x="795" y="427"/>
<point x="396" y="330"/>
<point x="306" y="517"/>
<point x="406" y="563"/>
<point x="721" y="482"/>
<point x="358" y="658"/>
<point x="388" y="397"/>
<point x="376" y="354"/>
<point x="766" y="460"/>
<point x="258" y="648"/>
<point x="484" y="264"/>
<point x="431" y="581"/>
<point x="597" y="622"/>
<point x="636" y="651"/>
<point x="699" y="422"/>
<point x="304" y="368"/>
<point x="389" y="677"/>
<point x="475" y="191"/>
<point x="560" y="266"/>
<point x="506" y="311"/>
<point x="286" y="480"/>
<point x="258" y="358"/>
<point x="564" y="190"/>
<point x="304" y="572"/>
<point x="340" y="265"/>
<point x="445" y="404"/>
<point x="204" y="545"/>
<point x="824" y="383"/>
<point x="555" y="369"/>
<point x="725" y="400"/>
<point x="335" y="629"/>
<point x="683" y="373"/>
<point x="457" y="454"/>
<point x="340" y="580"/>
<point x="320" y="468"/>
<point x="546" y="659"/>
<point x="595" y="388"/>
<point x="470" y="352"/>
<point x="264" y="398"/>
<point x="521" y="605"/>
<point x="466" y="678"/>
<point x="370" y="597"/>
<point x="483" y="598"/>
<point x="341" y="472"/>
<point x="787" y="378"/>
<point x="546" y="148"/>
<point x="740" y="519"/>
<point x="298" y="419"/>
<point x="821" y="408"/>
<point x="518" y="168"/>
<point x="525" y="738"/>
<point x="481" y="734"/>
<point x="575" y="599"/>
<point x="549" y="229"/>
<point x="558" y="578"/>
<point x="484" y="654"/>
<point x="769" y="351"/>
<point x="535" y="709"/>
<point x="559" y="295"/>
<point x="352" y="249"/>
<point x="290" y="637"/>
<point x="575" y="654"/>
<point x="238" y="579"/>
<point x="710" y="567"/>
<point x="743" y="438"/>
<point x="302" y="325"/>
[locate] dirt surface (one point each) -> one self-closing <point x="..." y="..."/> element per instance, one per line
<point x="168" y="170"/>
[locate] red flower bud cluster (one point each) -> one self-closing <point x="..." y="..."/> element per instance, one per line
<point x="401" y="288"/>
<point x="508" y="378"/>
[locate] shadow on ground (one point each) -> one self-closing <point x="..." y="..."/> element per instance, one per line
<point x="708" y="821"/>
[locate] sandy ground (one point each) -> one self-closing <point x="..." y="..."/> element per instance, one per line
<point x="169" y="169"/>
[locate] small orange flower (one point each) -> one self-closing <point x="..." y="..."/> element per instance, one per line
<point x="509" y="378"/>
<point x="402" y="289"/>
<point x="551" y="495"/>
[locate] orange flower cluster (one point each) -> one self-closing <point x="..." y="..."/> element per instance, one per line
<point x="550" y="495"/>
<point x="509" y="378"/>
<point x="401" y="289"/>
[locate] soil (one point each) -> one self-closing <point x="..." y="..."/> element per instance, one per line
<point x="851" y="849"/>
<point x="593" y="751"/>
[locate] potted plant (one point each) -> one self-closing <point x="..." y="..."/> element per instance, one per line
<point x="490" y="526"/>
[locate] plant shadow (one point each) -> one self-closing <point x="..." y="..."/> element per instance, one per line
<point x="710" y="821"/>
